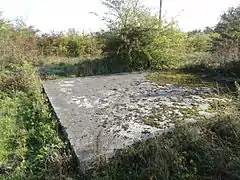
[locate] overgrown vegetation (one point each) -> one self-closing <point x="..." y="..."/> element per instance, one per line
<point x="31" y="146"/>
<point x="181" y="79"/>
<point x="137" y="40"/>
<point x="203" y="150"/>
<point x="71" y="44"/>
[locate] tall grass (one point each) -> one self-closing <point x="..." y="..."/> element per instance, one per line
<point x="31" y="147"/>
<point x="30" y="143"/>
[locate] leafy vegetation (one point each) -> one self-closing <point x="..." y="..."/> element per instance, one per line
<point x="141" y="39"/>
<point x="71" y="44"/>
<point x="31" y="144"/>
<point x="31" y="147"/>
<point x="224" y="47"/>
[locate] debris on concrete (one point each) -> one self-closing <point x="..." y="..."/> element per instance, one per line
<point x="103" y="114"/>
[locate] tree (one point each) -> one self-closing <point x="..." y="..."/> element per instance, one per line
<point x="208" y="30"/>
<point x="127" y="32"/>
<point x="229" y="25"/>
<point x="198" y="41"/>
<point x="122" y="13"/>
<point x="227" y="42"/>
<point x="140" y="39"/>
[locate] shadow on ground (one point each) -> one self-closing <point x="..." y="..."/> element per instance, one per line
<point x="225" y="75"/>
<point x="88" y="67"/>
<point x="224" y="78"/>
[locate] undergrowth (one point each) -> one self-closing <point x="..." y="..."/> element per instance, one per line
<point x="206" y="149"/>
<point x="30" y="143"/>
<point x="203" y="150"/>
<point x="31" y="147"/>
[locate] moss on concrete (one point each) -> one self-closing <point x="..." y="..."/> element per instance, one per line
<point x="181" y="79"/>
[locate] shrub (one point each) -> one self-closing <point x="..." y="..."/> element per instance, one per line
<point x="168" y="48"/>
<point x="198" y="42"/>
<point x="69" y="45"/>
<point x="17" y="45"/>
<point x="21" y="78"/>
<point x="141" y="39"/>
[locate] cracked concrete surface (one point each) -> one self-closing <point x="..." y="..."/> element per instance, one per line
<point x="102" y="114"/>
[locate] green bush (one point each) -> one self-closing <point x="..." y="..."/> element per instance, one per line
<point x="198" y="42"/>
<point x="17" y="45"/>
<point x="31" y="147"/>
<point x="141" y="40"/>
<point x="167" y="48"/>
<point x="69" y="45"/>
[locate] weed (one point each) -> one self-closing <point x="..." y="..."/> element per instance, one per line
<point x="203" y="150"/>
<point x="189" y="112"/>
<point x="152" y="123"/>
<point x="179" y="79"/>
<point x="30" y="144"/>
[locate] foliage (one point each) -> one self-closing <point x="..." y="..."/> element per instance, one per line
<point x="17" y="45"/>
<point x="30" y="143"/>
<point x="141" y="39"/>
<point x="122" y="13"/>
<point x="20" y="78"/>
<point x="168" y="48"/>
<point x="71" y="44"/>
<point x="31" y="147"/>
<point x="198" y="42"/>
<point x="227" y="42"/>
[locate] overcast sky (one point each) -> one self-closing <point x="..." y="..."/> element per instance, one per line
<point x="58" y="15"/>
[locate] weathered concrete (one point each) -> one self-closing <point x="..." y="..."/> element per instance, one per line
<point x="105" y="113"/>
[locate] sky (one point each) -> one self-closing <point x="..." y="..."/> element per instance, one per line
<point x="60" y="15"/>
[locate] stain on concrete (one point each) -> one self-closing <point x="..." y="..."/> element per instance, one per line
<point x="102" y="114"/>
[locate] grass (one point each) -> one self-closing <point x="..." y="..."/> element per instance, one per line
<point x="180" y="79"/>
<point x="220" y="87"/>
<point x="31" y="147"/>
<point x="76" y="67"/>
<point x="203" y="150"/>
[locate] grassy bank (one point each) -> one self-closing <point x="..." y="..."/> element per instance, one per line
<point x="31" y="147"/>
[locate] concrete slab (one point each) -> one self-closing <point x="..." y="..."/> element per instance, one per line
<point x="105" y="113"/>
